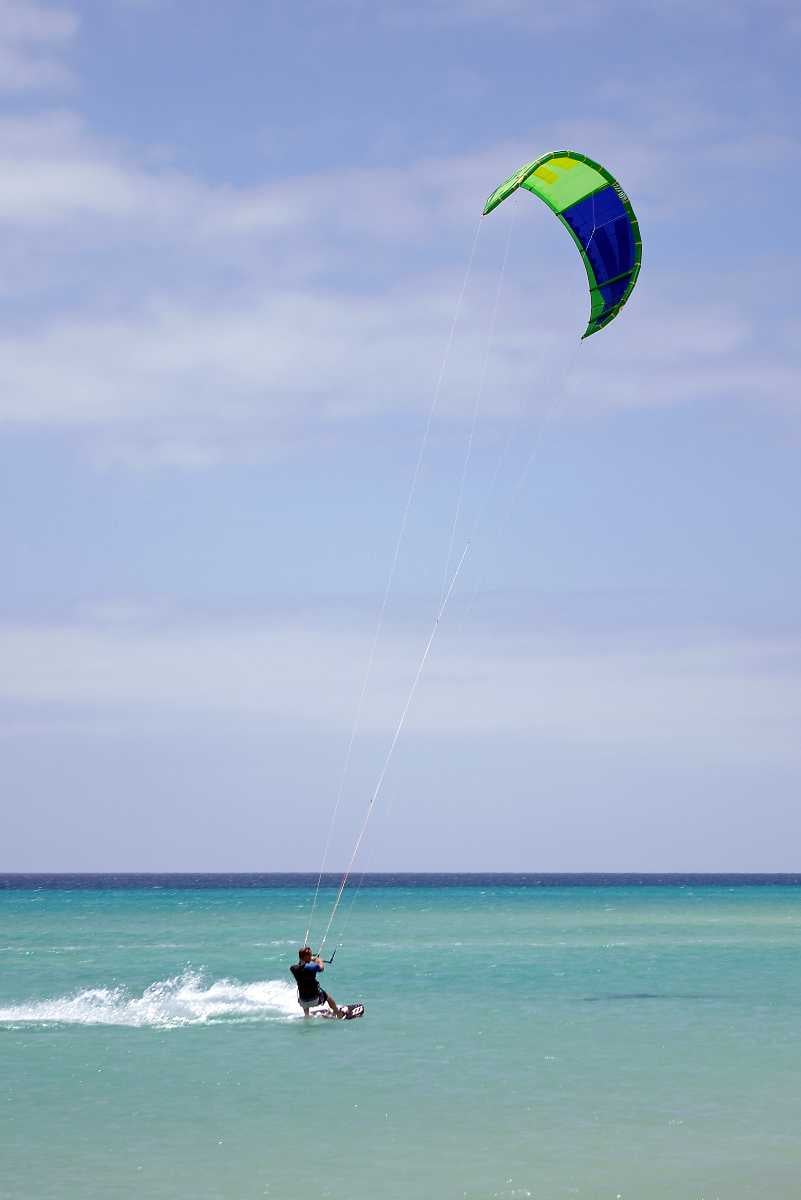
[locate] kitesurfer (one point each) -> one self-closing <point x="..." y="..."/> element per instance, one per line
<point x="310" y="994"/>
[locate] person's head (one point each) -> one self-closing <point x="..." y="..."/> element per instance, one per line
<point x="305" y="954"/>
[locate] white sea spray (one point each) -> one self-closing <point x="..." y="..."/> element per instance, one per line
<point x="185" y="999"/>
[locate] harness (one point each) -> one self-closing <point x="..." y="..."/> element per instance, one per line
<point x="308" y="986"/>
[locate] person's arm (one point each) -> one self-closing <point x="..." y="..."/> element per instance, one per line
<point x="319" y="962"/>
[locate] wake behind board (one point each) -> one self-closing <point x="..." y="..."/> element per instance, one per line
<point x="351" y="1011"/>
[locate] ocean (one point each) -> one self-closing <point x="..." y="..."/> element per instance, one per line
<point x="620" y="1037"/>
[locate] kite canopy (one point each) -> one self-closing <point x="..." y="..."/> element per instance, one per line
<point x="599" y="217"/>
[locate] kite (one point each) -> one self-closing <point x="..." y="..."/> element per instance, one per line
<point x="597" y="213"/>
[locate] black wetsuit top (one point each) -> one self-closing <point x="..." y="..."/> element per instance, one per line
<point x="306" y="979"/>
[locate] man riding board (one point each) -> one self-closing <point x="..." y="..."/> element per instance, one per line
<point x="310" y="994"/>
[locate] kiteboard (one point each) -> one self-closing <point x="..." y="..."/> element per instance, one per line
<point x="348" y="1012"/>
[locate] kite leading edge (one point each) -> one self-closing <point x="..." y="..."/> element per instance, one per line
<point x="597" y="213"/>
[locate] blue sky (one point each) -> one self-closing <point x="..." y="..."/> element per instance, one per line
<point x="232" y="239"/>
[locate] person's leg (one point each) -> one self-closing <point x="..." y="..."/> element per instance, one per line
<point x="332" y="1004"/>
<point x="305" y="1010"/>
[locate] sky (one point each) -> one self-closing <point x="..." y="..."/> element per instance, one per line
<point x="242" y="272"/>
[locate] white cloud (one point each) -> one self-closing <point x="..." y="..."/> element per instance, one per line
<point x="60" y="172"/>
<point x="220" y="320"/>
<point x="57" y="172"/>
<point x="186" y="385"/>
<point x="32" y="40"/>
<point x="582" y="17"/>
<point x="534" y="15"/>
<point x="730" y="696"/>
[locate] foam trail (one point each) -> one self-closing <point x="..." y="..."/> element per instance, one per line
<point x="166" y="1004"/>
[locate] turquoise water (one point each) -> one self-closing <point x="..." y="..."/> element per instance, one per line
<point x="609" y="1041"/>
